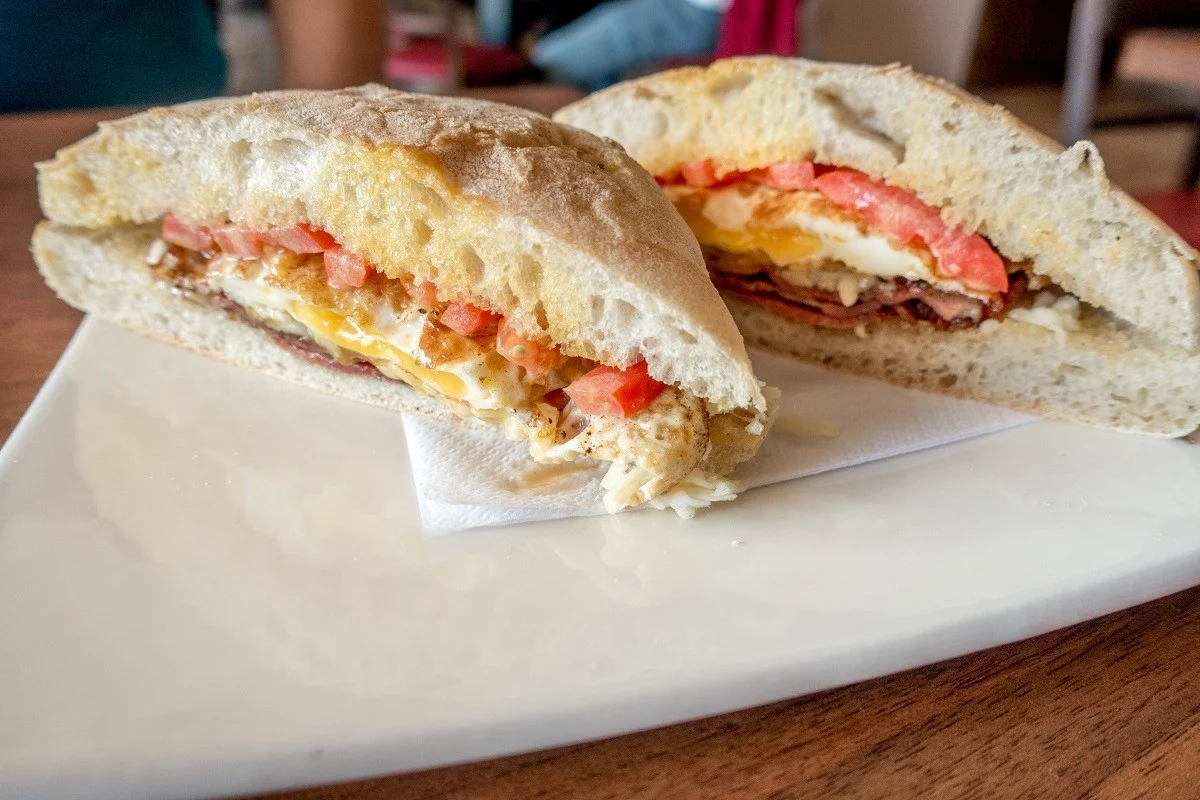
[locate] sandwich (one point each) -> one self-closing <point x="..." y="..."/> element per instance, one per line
<point x="880" y="222"/>
<point x="443" y="256"/>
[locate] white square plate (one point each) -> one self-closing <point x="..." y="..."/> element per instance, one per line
<point x="214" y="582"/>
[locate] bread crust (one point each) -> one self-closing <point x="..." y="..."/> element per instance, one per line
<point x="560" y="230"/>
<point x="1035" y="201"/>
<point x="104" y="272"/>
<point x="1106" y="375"/>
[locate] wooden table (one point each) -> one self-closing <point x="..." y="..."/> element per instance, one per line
<point x="1107" y="709"/>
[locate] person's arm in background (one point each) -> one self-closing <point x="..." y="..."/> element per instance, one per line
<point x="328" y="44"/>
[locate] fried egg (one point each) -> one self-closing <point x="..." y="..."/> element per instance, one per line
<point x="799" y="231"/>
<point x="655" y="454"/>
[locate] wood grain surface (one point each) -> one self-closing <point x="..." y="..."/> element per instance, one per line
<point x="1109" y="709"/>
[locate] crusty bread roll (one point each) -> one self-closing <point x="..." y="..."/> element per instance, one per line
<point x="560" y="229"/>
<point x="1133" y="363"/>
<point x="389" y="239"/>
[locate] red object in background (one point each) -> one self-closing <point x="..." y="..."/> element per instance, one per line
<point x="759" y="27"/>
<point x="1180" y="210"/>
<point x="750" y="28"/>
<point x="425" y="59"/>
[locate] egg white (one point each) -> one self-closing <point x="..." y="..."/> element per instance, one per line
<point x="751" y="208"/>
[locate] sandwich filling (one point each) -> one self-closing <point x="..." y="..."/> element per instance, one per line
<point x="330" y="307"/>
<point x="836" y="248"/>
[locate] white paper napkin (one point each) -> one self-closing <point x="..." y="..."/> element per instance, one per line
<point x="468" y="477"/>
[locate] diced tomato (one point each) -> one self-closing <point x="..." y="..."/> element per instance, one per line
<point x="301" y="239"/>
<point x="905" y="218"/>
<point x="469" y="320"/>
<point x="612" y="392"/>
<point x="698" y="173"/>
<point x="786" y="175"/>
<point x="238" y="241"/>
<point x="193" y="237"/>
<point x="538" y="358"/>
<point x="425" y="293"/>
<point x="557" y="398"/>
<point x="344" y="269"/>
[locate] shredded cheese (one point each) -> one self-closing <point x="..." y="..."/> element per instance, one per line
<point x="697" y="490"/>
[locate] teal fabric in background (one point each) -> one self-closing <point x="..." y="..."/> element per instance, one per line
<point x="86" y="53"/>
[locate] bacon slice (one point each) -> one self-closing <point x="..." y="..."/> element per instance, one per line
<point x="897" y="300"/>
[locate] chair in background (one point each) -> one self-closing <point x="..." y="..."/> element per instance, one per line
<point x="1169" y="58"/>
<point x="1166" y="58"/>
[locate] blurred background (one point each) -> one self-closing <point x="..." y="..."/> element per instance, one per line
<point x="1125" y="73"/>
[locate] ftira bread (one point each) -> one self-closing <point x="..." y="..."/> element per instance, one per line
<point x="885" y="223"/>
<point x="444" y="256"/>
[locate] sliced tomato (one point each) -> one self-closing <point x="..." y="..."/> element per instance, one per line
<point x="612" y="392"/>
<point x="698" y="173"/>
<point x="424" y="292"/>
<point x="969" y="258"/>
<point x="538" y="358"/>
<point x="301" y="239"/>
<point x="469" y="320"/>
<point x="193" y="237"/>
<point x="344" y="269"/>
<point x="894" y="211"/>
<point x="788" y="176"/>
<point x="237" y="241"/>
<point x="906" y="218"/>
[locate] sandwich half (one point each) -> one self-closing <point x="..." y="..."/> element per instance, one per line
<point x="443" y="256"/>
<point x="888" y="224"/>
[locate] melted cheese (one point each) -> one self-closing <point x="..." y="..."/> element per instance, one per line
<point x="346" y="333"/>
<point x="798" y="231"/>
<point x="725" y="223"/>
<point x="484" y="381"/>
